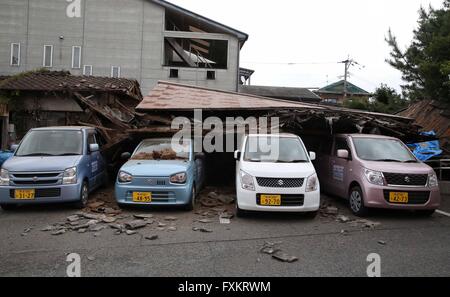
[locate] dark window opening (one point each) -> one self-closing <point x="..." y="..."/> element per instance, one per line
<point x="173" y="73"/>
<point x="211" y="75"/>
<point x="196" y="53"/>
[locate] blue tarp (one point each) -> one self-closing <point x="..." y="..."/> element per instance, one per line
<point x="5" y="155"/>
<point x="426" y="150"/>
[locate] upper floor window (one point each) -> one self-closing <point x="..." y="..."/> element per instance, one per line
<point x="115" y="71"/>
<point x="76" y="57"/>
<point x="87" y="70"/>
<point x="15" y="54"/>
<point x="48" y="56"/>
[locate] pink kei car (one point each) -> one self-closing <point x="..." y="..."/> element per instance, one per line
<point x="377" y="172"/>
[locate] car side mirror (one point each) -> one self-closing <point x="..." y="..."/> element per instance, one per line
<point x="312" y="156"/>
<point x="125" y="156"/>
<point x="343" y="154"/>
<point x="237" y="155"/>
<point x="14" y="147"/>
<point x="94" y="147"/>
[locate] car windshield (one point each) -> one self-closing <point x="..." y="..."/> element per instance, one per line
<point x="51" y="143"/>
<point x="382" y="150"/>
<point x="162" y="149"/>
<point x="275" y="150"/>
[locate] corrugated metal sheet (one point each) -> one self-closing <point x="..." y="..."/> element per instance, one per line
<point x="431" y="116"/>
<point x="62" y="80"/>
<point x="172" y="96"/>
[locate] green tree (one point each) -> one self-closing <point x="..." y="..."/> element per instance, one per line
<point x="425" y="64"/>
<point x="386" y="99"/>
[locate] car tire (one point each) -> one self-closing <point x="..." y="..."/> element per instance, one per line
<point x="84" y="196"/>
<point x="426" y="212"/>
<point x="356" y="202"/>
<point x="8" y="207"/>
<point x="191" y="205"/>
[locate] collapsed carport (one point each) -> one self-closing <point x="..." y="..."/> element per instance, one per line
<point x="312" y="122"/>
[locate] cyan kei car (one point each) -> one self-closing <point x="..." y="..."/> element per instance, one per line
<point x="160" y="174"/>
<point x="51" y="165"/>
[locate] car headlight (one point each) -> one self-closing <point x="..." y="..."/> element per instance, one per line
<point x="374" y="177"/>
<point x="125" y="177"/>
<point x="312" y="183"/>
<point x="247" y="181"/>
<point x="4" y="177"/>
<point x="179" y="178"/>
<point x="433" y="180"/>
<point x="70" y="176"/>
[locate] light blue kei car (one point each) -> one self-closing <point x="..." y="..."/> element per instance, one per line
<point x="156" y="174"/>
<point x="53" y="165"/>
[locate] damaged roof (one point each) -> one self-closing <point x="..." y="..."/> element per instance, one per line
<point x="175" y="8"/>
<point x="173" y="96"/>
<point x="63" y="80"/>
<point x="295" y="94"/>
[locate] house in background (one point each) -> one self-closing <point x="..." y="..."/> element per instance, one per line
<point x="49" y="98"/>
<point x="292" y="94"/>
<point x="335" y="94"/>
<point x="146" y="40"/>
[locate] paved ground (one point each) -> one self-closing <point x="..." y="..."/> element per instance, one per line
<point x="414" y="246"/>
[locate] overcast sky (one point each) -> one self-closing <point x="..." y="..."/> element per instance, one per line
<point x="316" y="34"/>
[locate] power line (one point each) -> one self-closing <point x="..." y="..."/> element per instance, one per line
<point x="289" y="63"/>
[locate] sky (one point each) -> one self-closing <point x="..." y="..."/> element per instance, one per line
<point x="316" y="35"/>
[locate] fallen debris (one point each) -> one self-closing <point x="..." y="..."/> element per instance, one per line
<point x="331" y="210"/>
<point x="205" y="221"/>
<point x="172" y="229"/>
<point x="382" y="242"/>
<point x="203" y="230"/>
<point x="151" y="237"/>
<point x="283" y="257"/>
<point x="59" y="232"/>
<point x="343" y="219"/>
<point x="133" y="225"/>
<point x="130" y="232"/>
<point x="143" y="216"/>
<point x="170" y="219"/>
<point x="73" y="218"/>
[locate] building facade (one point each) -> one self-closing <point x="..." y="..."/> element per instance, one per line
<point x="146" y="40"/>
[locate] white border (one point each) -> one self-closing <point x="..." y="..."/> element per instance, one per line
<point x="112" y="71"/>
<point x="51" y="56"/>
<point x="73" y="57"/>
<point x="84" y="70"/>
<point x="12" y="53"/>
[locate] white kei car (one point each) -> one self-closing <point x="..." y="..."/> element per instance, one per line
<point x="279" y="179"/>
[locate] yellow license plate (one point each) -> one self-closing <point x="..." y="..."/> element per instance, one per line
<point x="398" y="197"/>
<point x="142" y="197"/>
<point x="24" y="194"/>
<point x="271" y="200"/>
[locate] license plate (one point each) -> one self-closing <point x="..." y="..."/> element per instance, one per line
<point x="270" y="200"/>
<point x="24" y="194"/>
<point x="398" y="197"/>
<point x="142" y="197"/>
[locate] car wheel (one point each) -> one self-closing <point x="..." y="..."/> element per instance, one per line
<point x="356" y="202"/>
<point x="7" y="207"/>
<point x="426" y="212"/>
<point x="191" y="205"/>
<point x="84" y="196"/>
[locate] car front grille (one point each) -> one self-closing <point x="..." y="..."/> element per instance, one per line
<point x="41" y="193"/>
<point x="414" y="198"/>
<point x="280" y="182"/>
<point x="38" y="175"/>
<point x="287" y="199"/>
<point x="401" y="179"/>
<point x="39" y="182"/>
<point x="36" y="178"/>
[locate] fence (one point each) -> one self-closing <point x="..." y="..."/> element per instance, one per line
<point x="442" y="168"/>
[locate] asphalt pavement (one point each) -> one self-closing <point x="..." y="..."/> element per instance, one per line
<point x="408" y="245"/>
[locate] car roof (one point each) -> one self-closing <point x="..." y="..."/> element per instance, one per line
<point x="70" y="128"/>
<point x="366" y="136"/>
<point x="287" y="135"/>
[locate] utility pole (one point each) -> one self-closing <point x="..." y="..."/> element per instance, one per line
<point x="348" y="63"/>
